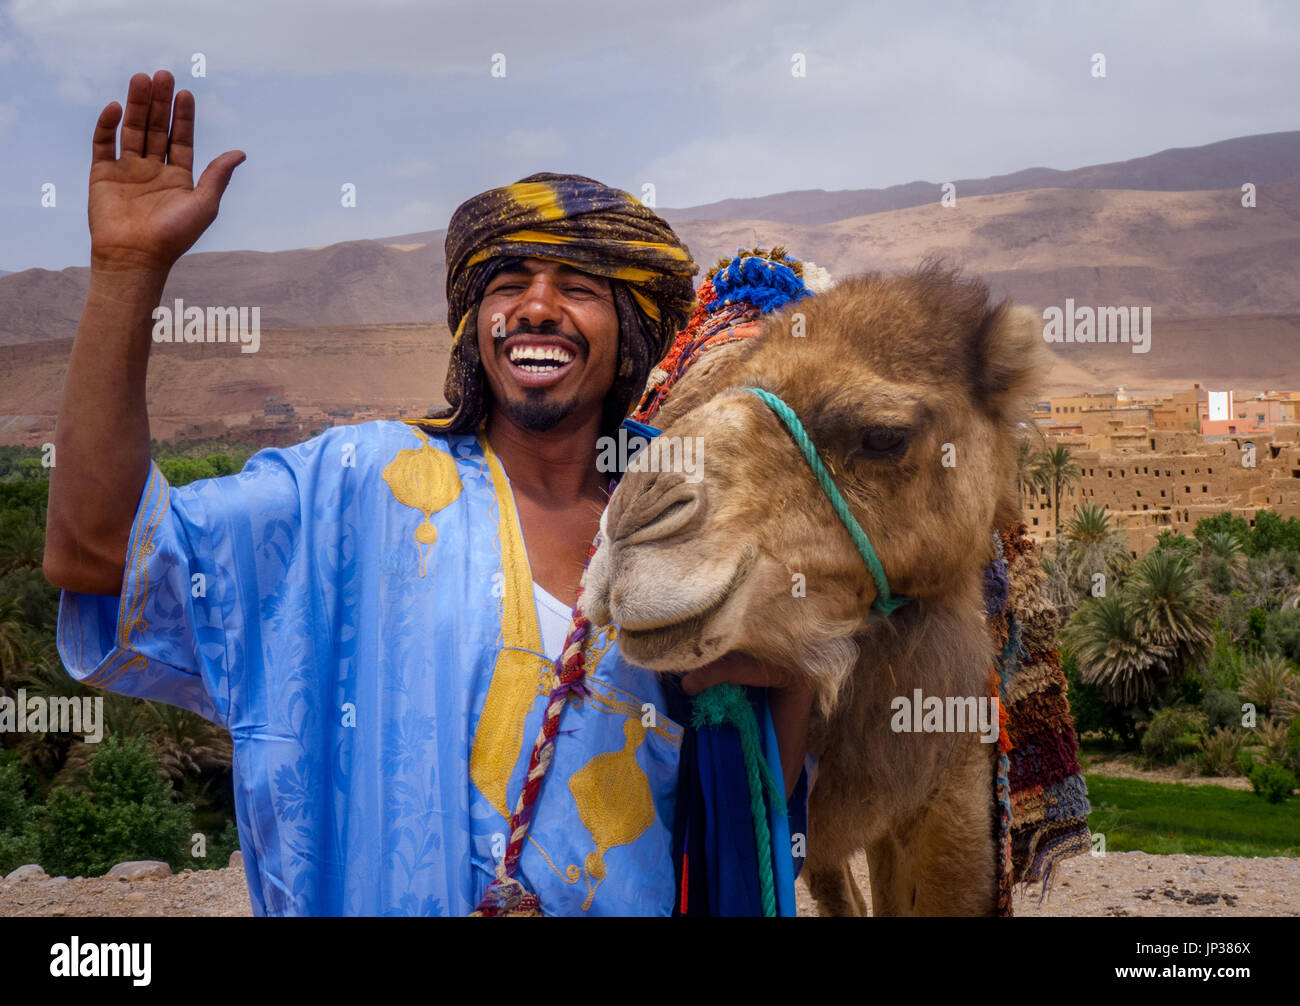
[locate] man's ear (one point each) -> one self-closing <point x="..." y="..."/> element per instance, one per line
<point x="1010" y="359"/>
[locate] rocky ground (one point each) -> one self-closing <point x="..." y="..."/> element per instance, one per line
<point x="1138" y="884"/>
<point x="1114" y="884"/>
<point x="128" y="889"/>
<point x="1118" y="883"/>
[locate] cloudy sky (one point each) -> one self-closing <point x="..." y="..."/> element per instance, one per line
<point x="695" y="96"/>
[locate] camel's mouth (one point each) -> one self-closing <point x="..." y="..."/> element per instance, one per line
<point x="658" y="640"/>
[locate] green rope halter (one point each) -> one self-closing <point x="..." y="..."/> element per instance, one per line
<point x="885" y="602"/>
<point x="727" y="703"/>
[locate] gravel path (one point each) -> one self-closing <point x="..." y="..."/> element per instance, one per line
<point x="1129" y="766"/>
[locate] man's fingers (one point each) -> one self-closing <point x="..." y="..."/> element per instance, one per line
<point x="216" y="176"/>
<point x="136" y="121"/>
<point x="180" y="151"/>
<point x="104" y="144"/>
<point x="739" y="668"/>
<point x="699" y="679"/>
<point x="160" y="115"/>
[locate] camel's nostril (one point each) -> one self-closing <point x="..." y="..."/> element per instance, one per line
<point x="660" y="518"/>
<point x="672" y="508"/>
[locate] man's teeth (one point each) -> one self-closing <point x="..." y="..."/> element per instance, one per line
<point x="538" y="359"/>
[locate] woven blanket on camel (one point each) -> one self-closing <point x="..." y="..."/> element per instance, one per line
<point x="1039" y="807"/>
<point x="1041" y="801"/>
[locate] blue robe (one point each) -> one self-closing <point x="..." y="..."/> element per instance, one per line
<point x="357" y="610"/>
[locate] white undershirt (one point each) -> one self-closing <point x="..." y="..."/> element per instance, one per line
<point x="553" y="621"/>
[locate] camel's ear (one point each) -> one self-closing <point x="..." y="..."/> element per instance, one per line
<point x="1009" y="359"/>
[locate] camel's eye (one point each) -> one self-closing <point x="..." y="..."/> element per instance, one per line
<point x="884" y="441"/>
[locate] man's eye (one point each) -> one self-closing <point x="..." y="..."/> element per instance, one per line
<point x="883" y="441"/>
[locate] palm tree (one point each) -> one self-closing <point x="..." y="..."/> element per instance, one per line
<point x="1056" y="468"/>
<point x="1221" y="552"/>
<point x="11" y="639"/>
<point x="1171" y="608"/>
<point x="22" y="547"/>
<point x="1267" y="581"/>
<point x="1092" y="543"/>
<point x="1110" y="652"/>
<point x="186" y="744"/>
<point x="1270" y="684"/>
<point x="1027" y="471"/>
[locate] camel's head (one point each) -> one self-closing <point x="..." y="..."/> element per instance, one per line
<point x="909" y="388"/>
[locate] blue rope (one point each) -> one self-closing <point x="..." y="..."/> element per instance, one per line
<point x="885" y="602"/>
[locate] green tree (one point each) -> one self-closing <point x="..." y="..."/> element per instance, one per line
<point x="182" y="471"/>
<point x="1091" y="711"/>
<point x="18" y="840"/>
<point x="126" y="813"/>
<point x="1151" y="630"/>
<point x="1282" y="634"/>
<point x="1223" y="561"/>
<point x="31" y="470"/>
<point x="220" y="464"/>
<point x="1171" y="608"/>
<point x="1092" y="543"/>
<point x="1227" y="663"/>
<point x="1225" y="521"/>
<point x="1111" y="653"/>
<point x="22" y="545"/>
<point x="1269" y="533"/>
<point x="1269" y="681"/>
<point x="12" y="640"/>
<point x="1179" y="542"/>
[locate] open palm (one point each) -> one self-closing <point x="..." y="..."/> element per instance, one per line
<point x="145" y="209"/>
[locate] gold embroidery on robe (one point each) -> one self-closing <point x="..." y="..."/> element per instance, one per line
<point x="614" y="802"/>
<point x="424" y="478"/>
<point x="517" y="676"/>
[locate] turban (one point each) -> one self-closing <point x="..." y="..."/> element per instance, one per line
<point x="584" y="224"/>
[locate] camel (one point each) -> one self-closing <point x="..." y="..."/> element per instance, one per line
<point x="909" y="387"/>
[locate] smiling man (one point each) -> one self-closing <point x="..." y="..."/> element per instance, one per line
<point x="376" y="614"/>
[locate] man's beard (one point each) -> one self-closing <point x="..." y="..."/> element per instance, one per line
<point x="538" y="413"/>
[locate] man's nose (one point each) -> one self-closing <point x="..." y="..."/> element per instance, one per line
<point x="540" y="305"/>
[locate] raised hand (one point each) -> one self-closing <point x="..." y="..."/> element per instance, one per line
<point x="145" y="210"/>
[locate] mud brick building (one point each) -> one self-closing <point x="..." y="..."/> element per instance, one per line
<point x="1151" y="475"/>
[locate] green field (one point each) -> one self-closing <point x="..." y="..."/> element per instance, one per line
<point x="1165" y="818"/>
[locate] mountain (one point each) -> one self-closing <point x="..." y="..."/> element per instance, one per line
<point x="1268" y="157"/>
<point x="1182" y="253"/>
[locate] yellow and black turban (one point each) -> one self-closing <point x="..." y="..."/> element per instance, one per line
<point x="589" y="226"/>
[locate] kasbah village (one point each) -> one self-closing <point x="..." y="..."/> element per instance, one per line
<point x="1163" y="464"/>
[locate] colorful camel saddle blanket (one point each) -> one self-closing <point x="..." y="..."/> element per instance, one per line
<point x="358" y="611"/>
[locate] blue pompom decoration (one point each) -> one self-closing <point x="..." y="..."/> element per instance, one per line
<point x="766" y="284"/>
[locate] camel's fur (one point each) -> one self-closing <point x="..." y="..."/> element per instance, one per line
<point x="926" y="351"/>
